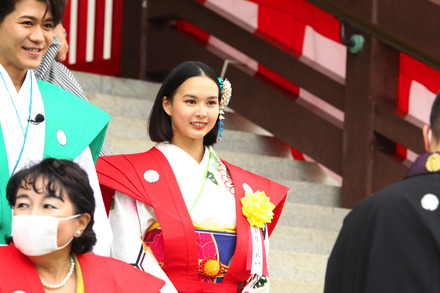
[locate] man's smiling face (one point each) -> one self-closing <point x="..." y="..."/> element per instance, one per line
<point x="25" y="35"/>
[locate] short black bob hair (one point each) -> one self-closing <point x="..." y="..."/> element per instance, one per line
<point x="160" y="127"/>
<point x="61" y="177"/>
<point x="55" y="6"/>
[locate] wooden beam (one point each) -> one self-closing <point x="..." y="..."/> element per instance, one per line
<point x="389" y="171"/>
<point x="371" y="77"/>
<point x="416" y="22"/>
<point x="397" y="128"/>
<point x="133" y="40"/>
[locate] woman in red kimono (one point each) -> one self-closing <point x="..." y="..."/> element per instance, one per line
<point x="52" y="235"/>
<point x="206" y="222"/>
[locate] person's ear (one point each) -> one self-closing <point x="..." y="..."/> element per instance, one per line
<point x="82" y="221"/>
<point x="166" y="104"/>
<point x="427" y="137"/>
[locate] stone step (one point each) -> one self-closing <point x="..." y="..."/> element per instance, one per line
<point x="122" y="145"/>
<point x="312" y="216"/>
<point x="302" y="240"/>
<point x="312" y="193"/>
<point x="131" y="128"/>
<point x="117" y="86"/>
<point x="118" y="106"/>
<point x="279" y="285"/>
<point x="293" y="266"/>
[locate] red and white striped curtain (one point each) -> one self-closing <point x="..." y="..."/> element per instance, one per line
<point x="94" y="34"/>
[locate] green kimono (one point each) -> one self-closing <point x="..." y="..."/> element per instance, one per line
<point x="82" y="124"/>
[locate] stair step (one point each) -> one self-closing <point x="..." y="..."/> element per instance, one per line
<point x="312" y="193"/>
<point x="121" y="106"/>
<point x="129" y="146"/>
<point x="279" y="285"/>
<point x="303" y="240"/>
<point x="294" y="266"/>
<point x="311" y="216"/>
<point x="131" y="128"/>
<point x="117" y="86"/>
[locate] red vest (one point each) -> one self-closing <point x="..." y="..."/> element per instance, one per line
<point x="100" y="274"/>
<point x="125" y="173"/>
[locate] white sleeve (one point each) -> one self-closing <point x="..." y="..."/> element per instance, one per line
<point x="101" y="227"/>
<point x="130" y="219"/>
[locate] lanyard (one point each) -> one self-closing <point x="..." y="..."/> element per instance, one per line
<point x="24" y="131"/>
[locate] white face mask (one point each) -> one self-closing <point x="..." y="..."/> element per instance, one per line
<point x="37" y="235"/>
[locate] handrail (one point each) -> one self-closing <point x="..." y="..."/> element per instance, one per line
<point x="376" y="31"/>
<point x="336" y="147"/>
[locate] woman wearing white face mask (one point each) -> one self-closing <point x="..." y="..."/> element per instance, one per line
<point x="52" y="233"/>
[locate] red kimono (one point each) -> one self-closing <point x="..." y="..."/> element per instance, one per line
<point x="125" y="173"/>
<point x="100" y="274"/>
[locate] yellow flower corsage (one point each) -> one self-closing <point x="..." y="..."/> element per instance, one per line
<point x="257" y="208"/>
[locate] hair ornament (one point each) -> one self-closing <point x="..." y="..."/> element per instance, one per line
<point x="226" y="92"/>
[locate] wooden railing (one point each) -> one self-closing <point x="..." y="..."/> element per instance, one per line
<point x="362" y="150"/>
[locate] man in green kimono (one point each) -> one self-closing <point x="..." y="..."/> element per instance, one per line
<point x="38" y="119"/>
